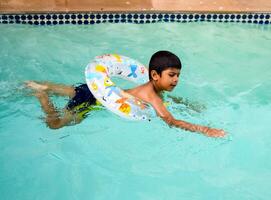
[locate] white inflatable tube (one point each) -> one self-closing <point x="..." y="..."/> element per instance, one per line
<point x="98" y="73"/>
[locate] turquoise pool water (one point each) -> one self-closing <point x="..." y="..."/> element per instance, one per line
<point x="226" y="69"/>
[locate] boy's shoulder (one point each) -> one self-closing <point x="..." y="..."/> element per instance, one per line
<point x="146" y="93"/>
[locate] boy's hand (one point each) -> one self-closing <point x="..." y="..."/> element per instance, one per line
<point x="212" y="132"/>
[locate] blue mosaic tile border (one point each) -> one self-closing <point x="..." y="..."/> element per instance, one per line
<point x="138" y="18"/>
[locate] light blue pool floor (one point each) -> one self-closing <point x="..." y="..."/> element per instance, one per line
<point x="226" y="68"/>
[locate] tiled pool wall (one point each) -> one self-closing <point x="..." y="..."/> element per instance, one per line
<point x="138" y="18"/>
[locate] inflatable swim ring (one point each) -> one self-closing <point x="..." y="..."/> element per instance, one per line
<point x="98" y="73"/>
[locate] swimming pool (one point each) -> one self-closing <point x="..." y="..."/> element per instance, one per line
<point x="226" y="69"/>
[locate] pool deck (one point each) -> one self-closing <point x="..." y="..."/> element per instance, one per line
<point x="34" y="6"/>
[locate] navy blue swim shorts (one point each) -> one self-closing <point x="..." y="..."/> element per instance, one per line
<point x="82" y="96"/>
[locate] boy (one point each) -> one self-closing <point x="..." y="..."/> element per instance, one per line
<point x="164" y="71"/>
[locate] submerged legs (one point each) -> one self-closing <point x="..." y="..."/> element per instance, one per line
<point x="53" y="118"/>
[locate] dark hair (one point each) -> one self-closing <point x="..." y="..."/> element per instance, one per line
<point x="163" y="60"/>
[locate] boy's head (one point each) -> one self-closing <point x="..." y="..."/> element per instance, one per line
<point x="162" y="60"/>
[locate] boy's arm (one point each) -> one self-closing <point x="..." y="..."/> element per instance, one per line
<point x="161" y="110"/>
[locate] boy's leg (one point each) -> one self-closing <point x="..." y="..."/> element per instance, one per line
<point x="58" y="89"/>
<point x="53" y="119"/>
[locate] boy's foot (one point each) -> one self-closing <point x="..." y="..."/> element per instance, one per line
<point x="36" y="86"/>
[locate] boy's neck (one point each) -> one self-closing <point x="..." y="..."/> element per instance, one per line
<point x="157" y="90"/>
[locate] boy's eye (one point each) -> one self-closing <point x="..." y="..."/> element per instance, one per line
<point x="172" y="75"/>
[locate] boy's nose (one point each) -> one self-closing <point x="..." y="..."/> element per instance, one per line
<point x="176" y="78"/>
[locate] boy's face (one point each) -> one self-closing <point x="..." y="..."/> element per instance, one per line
<point x="169" y="79"/>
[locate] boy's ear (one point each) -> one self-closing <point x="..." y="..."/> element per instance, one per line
<point x="154" y="75"/>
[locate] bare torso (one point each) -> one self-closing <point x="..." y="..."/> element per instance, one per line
<point x="144" y="92"/>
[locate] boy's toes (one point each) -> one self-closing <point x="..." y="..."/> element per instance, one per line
<point x="35" y="86"/>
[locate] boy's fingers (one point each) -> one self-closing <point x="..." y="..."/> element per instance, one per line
<point x="216" y="133"/>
